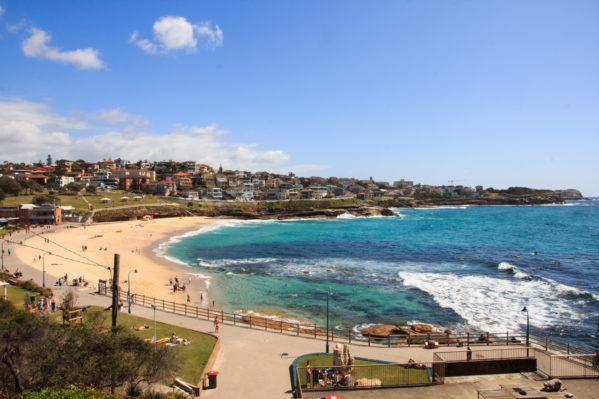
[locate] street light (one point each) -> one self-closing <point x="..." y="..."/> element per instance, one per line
<point x="527" y="329"/>
<point x="44" y="268"/>
<point x="154" y="306"/>
<point x="2" y="255"/>
<point x="129" y="288"/>
<point x="329" y="293"/>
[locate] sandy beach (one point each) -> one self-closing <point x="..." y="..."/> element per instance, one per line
<point x="135" y="241"/>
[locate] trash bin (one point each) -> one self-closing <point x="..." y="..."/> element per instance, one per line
<point x="212" y="379"/>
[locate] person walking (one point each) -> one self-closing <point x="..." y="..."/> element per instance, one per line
<point x="216" y="323"/>
<point x="308" y="373"/>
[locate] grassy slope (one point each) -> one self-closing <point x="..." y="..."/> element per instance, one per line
<point x="78" y="203"/>
<point x="192" y="357"/>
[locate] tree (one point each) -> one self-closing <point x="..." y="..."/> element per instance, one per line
<point x="10" y="186"/>
<point x="2" y="196"/>
<point x="60" y="171"/>
<point x="220" y="168"/>
<point x="49" y="160"/>
<point x="45" y="199"/>
<point x="82" y="356"/>
<point x="91" y="189"/>
<point x="73" y="187"/>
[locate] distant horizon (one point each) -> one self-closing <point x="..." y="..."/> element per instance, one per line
<point x="501" y="92"/>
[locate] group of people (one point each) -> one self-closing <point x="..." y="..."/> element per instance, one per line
<point x="177" y="285"/>
<point x="326" y="376"/>
<point x="43" y="304"/>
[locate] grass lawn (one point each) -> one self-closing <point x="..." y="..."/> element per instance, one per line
<point x="192" y="357"/>
<point x="16" y="295"/>
<point x="115" y="199"/>
<point x="388" y="374"/>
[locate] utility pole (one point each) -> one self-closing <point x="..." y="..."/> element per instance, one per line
<point x="115" y="289"/>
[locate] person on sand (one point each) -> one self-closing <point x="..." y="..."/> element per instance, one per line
<point x="188" y="298"/>
<point x="216" y="323"/>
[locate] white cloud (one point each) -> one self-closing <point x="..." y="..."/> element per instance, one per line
<point x="16" y="27"/>
<point x="177" y="33"/>
<point x="29" y="131"/>
<point x="113" y="116"/>
<point x="2" y="10"/>
<point x="36" y="46"/>
<point x="143" y="44"/>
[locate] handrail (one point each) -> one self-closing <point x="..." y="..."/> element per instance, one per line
<point x="312" y="330"/>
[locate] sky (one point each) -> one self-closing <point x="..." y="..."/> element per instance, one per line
<point x="494" y="93"/>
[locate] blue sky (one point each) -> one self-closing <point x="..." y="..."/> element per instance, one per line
<point x="496" y="93"/>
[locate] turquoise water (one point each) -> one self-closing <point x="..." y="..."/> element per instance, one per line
<point x="461" y="267"/>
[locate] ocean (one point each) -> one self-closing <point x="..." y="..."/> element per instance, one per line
<point x="465" y="268"/>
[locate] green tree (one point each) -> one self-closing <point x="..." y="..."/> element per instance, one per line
<point x="10" y="186"/>
<point x="73" y="187"/>
<point x="45" y="199"/>
<point x="82" y="356"/>
<point x="49" y="160"/>
<point x="91" y="189"/>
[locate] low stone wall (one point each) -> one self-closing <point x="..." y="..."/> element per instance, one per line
<point x="475" y="367"/>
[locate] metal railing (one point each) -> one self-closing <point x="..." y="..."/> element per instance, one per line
<point x="348" y="335"/>
<point x="482" y="354"/>
<point x="567" y="366"/>
<point x="364" y="376"/>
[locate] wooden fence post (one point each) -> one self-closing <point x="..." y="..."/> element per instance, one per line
<point x="298" y="329"/>
<point x="250" y="320"/>
<point x="349" y="335"/>
<point x="222" y="316"/>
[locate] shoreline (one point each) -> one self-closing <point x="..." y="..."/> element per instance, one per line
<point x="135" y="241"/>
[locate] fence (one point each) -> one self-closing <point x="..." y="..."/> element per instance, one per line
<point x="479" y="355"/>
<point x="364" y="376"/>
<point x="348" y="335"/>
<point x="567" y="366"/>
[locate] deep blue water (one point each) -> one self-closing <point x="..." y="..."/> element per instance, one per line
<point x="464" y="267"/>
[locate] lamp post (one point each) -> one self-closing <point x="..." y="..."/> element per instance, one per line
<point x="2" y="255"/>
<point x="328" y="295"/>
<point x="154" y="306"/>
<point x="129" y="288"/>
<point x="44" y="268"/>
<point x="527" y="330"/>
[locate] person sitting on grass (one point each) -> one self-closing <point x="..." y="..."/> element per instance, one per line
<point x="173" y="339"/>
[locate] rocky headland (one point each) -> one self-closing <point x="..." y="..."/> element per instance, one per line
<point x="327" y="207"/>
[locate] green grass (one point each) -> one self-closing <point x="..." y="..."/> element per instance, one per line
<point x="16" y="295"/>
<point x="192" y="357"/>
<point x="115" y="197"/>
<point x="388" y="374"/>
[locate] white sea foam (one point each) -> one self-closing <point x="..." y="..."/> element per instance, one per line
<point x="494" y="304"/>
<point x="432" y="208"/>
<point x="346" y="215"/>
<point x="561" y="288"/>
<point x="519" y="274"/>
<point x="505" y="266"/>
